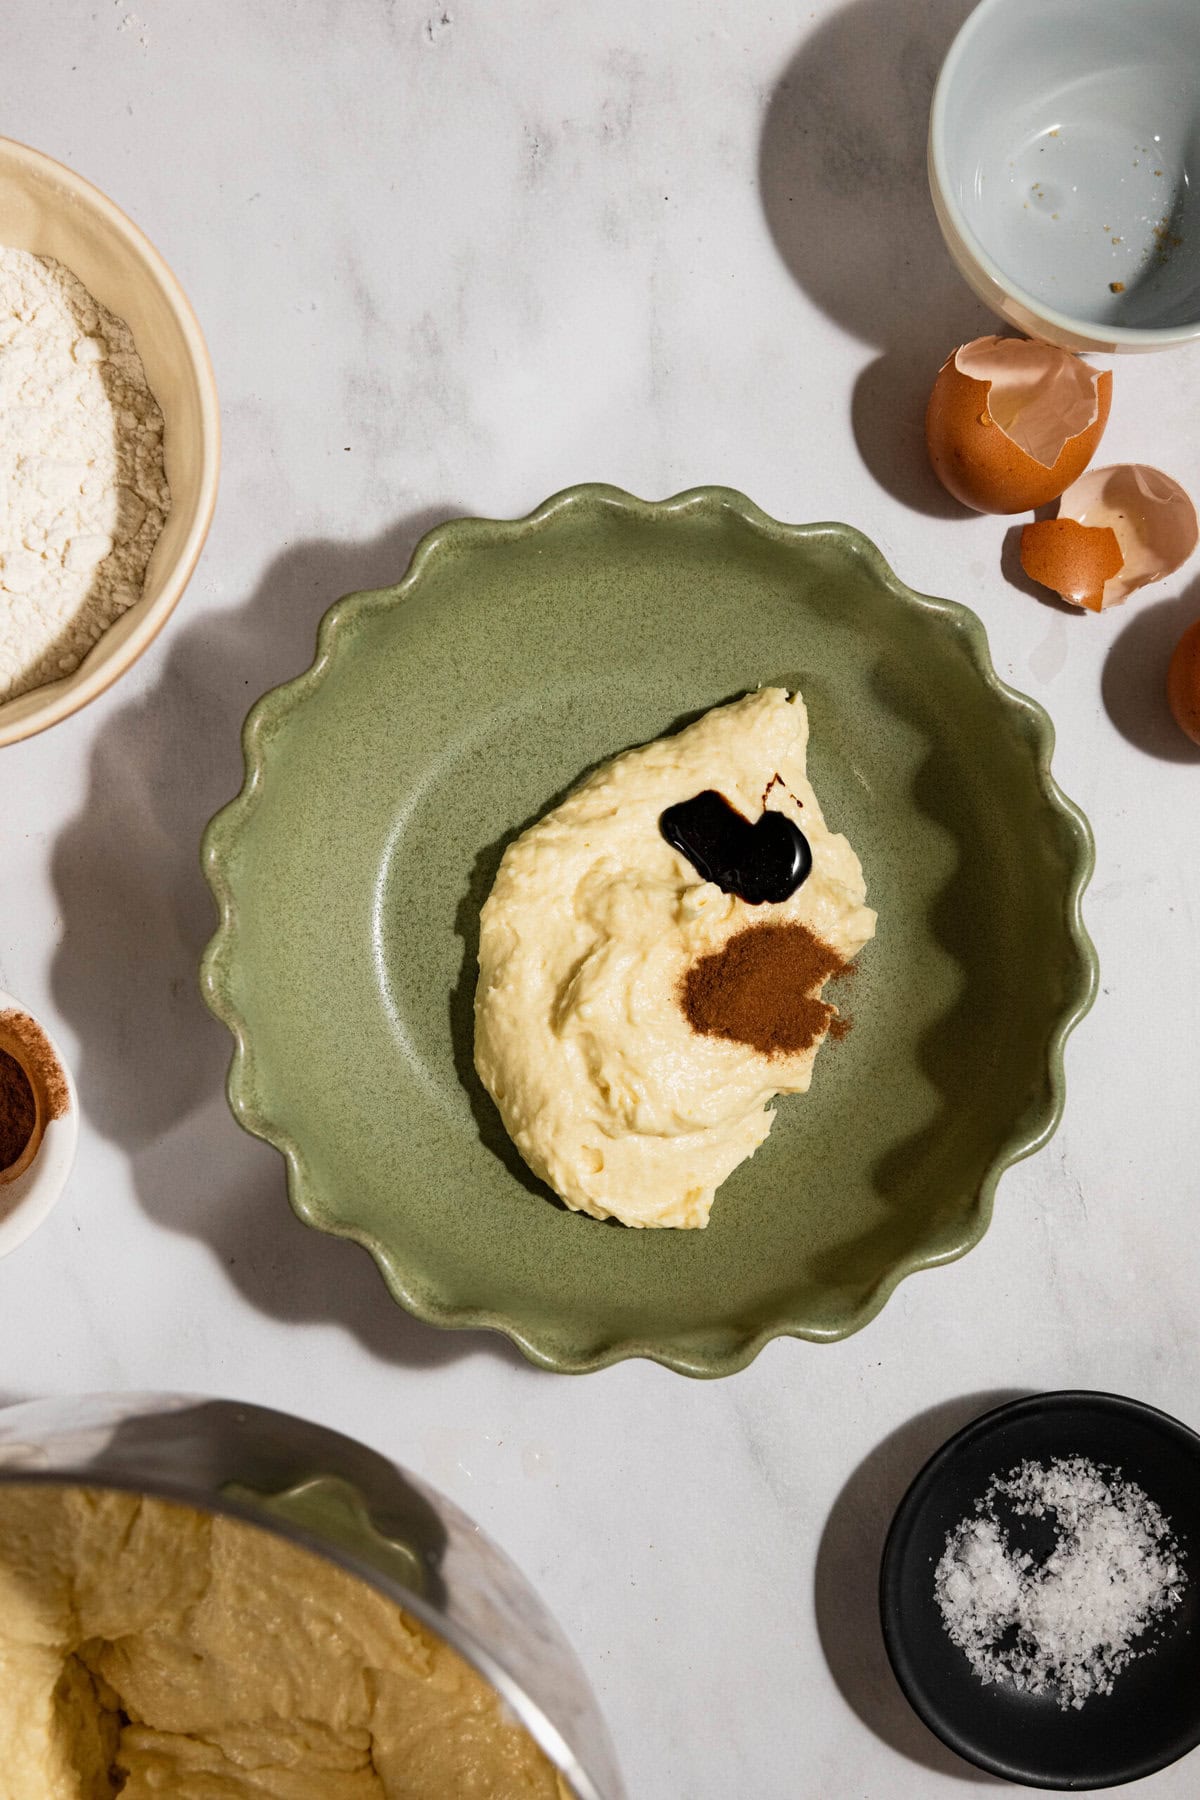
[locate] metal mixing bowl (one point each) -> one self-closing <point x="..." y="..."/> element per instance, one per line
<point x="334" y="1496"/>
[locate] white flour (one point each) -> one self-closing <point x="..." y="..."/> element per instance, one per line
<point x="83" y="488"/>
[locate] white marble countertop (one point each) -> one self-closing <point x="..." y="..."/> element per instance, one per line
<point x="451" y="258"/>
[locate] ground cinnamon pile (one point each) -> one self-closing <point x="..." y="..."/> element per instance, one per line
<point x="18" y="1110"/>
<point x="33" y="1071"/>
<point x="762" y="989"/>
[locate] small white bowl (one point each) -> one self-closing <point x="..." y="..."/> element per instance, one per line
<point x="1064" y="164"/>
<point x="26" y="1198"/>
<point x="50" y="211"/>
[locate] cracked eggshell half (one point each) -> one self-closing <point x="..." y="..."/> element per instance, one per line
<point x="1075" y="560"/>
<point x="1151" y="519"/>
<point x="1012" y="422"/>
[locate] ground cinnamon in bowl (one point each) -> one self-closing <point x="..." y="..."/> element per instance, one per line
<point x="33" y="1090"/>
<point x="762" y="988"/>
<point x="18" y="1110"/>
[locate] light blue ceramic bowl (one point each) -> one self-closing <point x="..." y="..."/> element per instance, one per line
<point x="1064" y="162"/>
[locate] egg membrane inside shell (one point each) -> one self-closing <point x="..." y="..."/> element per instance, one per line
<point x="1151" y="516"/>
<point x="1040" y="396"/>
<point x="1000" y="405"/>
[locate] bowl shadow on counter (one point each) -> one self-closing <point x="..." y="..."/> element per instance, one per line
<point x="136" y="915"/>
<point x="846" y="1583"/>
<point x="843" y="185"/>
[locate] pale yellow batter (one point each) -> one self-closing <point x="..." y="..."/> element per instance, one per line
<point x="148" y="1650"/>
<point x="604" y="1087"/>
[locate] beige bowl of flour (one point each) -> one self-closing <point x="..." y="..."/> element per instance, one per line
<point x="50" y="211"/>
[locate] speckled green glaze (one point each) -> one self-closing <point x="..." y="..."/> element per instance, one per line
<point x="442" y="716"/>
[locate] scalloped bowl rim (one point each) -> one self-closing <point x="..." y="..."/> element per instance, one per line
<point x="277" y="702"/>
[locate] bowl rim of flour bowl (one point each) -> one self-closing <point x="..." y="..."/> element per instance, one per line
<point x="49" y="210"/>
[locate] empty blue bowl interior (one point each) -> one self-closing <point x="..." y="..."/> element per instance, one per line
<point x="1071" y="142"/>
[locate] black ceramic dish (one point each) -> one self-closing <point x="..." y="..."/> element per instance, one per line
<point x="1152" y="1716"/>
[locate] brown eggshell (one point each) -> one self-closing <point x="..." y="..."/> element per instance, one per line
<point x="981" y="466"/>
<point x="1183" y="683"/>
<point x="1075" y="560"/>
<point x="1153" y="520"/>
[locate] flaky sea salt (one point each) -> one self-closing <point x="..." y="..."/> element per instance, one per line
<point x="1066" y="1623"/>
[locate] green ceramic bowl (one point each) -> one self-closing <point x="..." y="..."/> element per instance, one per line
<point x="442" y="716"/>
